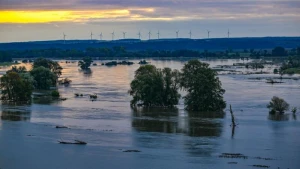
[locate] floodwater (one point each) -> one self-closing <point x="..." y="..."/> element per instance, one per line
<point x="164" y="138"/>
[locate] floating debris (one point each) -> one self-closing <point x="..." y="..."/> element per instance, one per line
<point x="131" y="151"/>
<point x="232" y="162"/>
<point x="107" y="130"/>
<point x="143" y="62"/>
<point x="78" y="95"/>
<point x="272" y="81"/>
<point x="261" y="166"/>
<point x="61" y="127"/>
<point x="75" y="142"/>
<point x="93" y="96"/>
<point x="29" y="135"/>
<point x="233" y="155"/>
<point x="262" y="158"/>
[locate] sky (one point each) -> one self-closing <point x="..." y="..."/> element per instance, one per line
<point x="35" y="20"/>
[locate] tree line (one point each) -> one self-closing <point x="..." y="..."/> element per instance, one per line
<point x="119" y="51"/>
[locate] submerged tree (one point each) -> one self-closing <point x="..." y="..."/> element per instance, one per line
<point x="153" y="87"/>
<point x="278" y="105"/>
<point x="49" y="64"/>
<point x="85" y="63"/>
<point x="15" y="87"/>
<point x="204" y="89"/>
<point x="43" y="77"/>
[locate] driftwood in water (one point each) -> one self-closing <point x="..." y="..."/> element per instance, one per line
<point x="130" y="151"/>
<point x="61" y="127"/>
<point x="273" y="81"/>
<point x="75" y="142"/>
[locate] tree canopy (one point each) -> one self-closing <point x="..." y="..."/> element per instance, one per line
<point x="49" y="64"/>
<point x="16" y="87"/>
<point x="279" y="51"/>
<point x="277" y="105"/>
<point x="154" y="87"/>
<point x="85" y="63"/>
<point x="204" y="89"/>
<point x="43" y="77"/>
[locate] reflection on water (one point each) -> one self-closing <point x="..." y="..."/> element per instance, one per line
<point x="47" y="100"/>
<point x="294" y="116"/>
<point x="168" y="121"/>
<point x="19" y="113"/>
<point x="279" y="117"/>
<point x="86" y="73"/>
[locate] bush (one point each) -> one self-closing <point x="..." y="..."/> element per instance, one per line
<point x="278" y="105"/>
<point x="294" y="110"/>
<point x="55" y="93"/>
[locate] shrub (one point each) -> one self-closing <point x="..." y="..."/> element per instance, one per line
<point x="55" y="93"/>
<point x="278" y="105"/>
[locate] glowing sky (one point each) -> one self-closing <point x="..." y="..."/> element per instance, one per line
<point x="28" y="20"/>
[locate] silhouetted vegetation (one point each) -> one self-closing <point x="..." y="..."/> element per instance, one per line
<point x="292" y="66"/>
<point x="204" y="91"/>
<point x="18" y="83"/>
<point x="294" y="110"/>
<point x="53" y="66"/>
<point x="153" y="87"/>
<point x="121" y="52"/>
<point x="16" y="87"/>
<point x="85" y="63"/>
<point x="43" y="78"/>
<point x="277" y="105"/>
<point x="55" y="94"/>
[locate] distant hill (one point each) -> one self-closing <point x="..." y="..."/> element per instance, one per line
<point x="162" y="44"/>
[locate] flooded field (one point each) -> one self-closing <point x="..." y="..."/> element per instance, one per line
<point x="119" y="137"/>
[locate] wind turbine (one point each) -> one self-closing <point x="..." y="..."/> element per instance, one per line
<point x="190" y="33"/>
<point x="208" y="31"/>
<point x="149" y="35"/>
<point x="113" y="35"/>
<point x="124" y="35"/>
<point x="158" y="34"/>
<point x="64" y="37"/>
<point x="177" y="34"/>
<point x="228" y="33"/>
<point x="139" y="35"/>
<point x="91" y="35"/>
<point x="101" y="36"/>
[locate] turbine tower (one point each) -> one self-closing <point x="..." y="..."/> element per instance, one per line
<point x="149" y="35"/>
<point x="190" y="33"/>
<point x="113" y="35"/>
<point x="208" y="31"/>
<point x="101" y="36"/>
<point x="64" y="38"/>
<point x="91" y="35"/>
<point x="228" y="33"/>
<point x="177" y="32"/>
<point x="158" y="34"/>
<point x="124" y="35"/>
<point x="139" y="35"/>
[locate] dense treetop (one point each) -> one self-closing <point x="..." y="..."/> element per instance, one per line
<point x="205" y="92"/>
